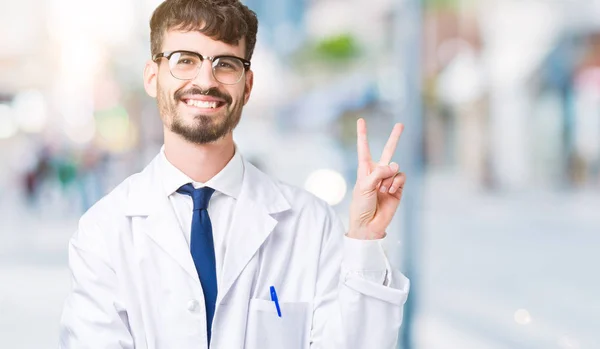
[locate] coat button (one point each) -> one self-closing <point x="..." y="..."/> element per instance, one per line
<point x="193" y="305"/>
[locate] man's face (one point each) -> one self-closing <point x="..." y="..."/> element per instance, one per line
<point x="200" y="110"/>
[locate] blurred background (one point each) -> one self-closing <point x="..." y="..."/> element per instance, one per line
<point x="499" y="227"/>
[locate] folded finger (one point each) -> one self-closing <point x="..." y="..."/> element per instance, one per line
<point x="379" y="174"/>
<point x="398" y="183"/>
<point x="386" y="184"/>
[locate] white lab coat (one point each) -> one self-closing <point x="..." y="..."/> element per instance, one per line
<point x="135" y="283"/>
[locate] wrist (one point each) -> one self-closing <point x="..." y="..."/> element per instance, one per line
<point x="365" y="235"/>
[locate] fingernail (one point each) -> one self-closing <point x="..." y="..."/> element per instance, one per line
<point x="394" y="166"/>
<point x="383" y="189"/>
<point x="392" y="190"/>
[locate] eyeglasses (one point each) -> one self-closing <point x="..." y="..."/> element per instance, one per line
<point x="185" y="65"/>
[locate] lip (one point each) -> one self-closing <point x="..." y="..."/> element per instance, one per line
<point x="201" y="98"/>
<point x="220" y="104"/>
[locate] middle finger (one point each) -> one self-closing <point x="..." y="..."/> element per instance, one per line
<point x="390" y="146"/>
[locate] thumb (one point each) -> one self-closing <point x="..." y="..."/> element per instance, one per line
<point x="379" y="173"/>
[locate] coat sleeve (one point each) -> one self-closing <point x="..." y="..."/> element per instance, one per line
<point x="359" y="298"/>
<point x="92" y="316"/>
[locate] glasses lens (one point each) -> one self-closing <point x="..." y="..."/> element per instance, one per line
<point x="228" y="70"/>
<point x="184" y="65"/>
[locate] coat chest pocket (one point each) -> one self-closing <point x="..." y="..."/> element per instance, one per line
<point x="266" y="330"/>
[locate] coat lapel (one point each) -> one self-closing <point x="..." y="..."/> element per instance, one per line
<point x="259" y="199"/>
<point x="146" y="198"/>
<point x="252" y="223"/>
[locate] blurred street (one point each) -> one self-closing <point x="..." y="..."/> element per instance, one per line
<point x="34" y="278"/>
<point x="475" y="269"/>
<point x="509" y="271"/>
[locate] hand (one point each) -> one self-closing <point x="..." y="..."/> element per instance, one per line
<point x="378" y="188"/>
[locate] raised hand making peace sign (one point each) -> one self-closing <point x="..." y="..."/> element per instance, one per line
<point x="378" y="188"/>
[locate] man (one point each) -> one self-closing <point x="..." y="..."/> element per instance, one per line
<point x="201" y="249"/>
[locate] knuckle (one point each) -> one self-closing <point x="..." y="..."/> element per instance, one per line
<point x="382" y="170"/>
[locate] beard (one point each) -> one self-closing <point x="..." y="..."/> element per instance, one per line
<point x="202" y="129"/>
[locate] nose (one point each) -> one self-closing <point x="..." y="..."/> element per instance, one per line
<point x="205" y="79"/>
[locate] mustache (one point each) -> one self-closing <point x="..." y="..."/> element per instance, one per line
<point x="213" y="92"/>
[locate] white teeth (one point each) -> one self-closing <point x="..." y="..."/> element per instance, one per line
<point x="202" y="104"/>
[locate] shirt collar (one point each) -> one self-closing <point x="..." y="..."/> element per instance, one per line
<point x="228" y="181"/>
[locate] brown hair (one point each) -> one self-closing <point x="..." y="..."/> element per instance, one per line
<point x="223" y="20"/>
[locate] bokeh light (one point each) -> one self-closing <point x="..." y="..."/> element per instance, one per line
<point x="522" y="317"/>
<point x="328" y="185"/>
<point x="31" y="111"/>
<point x="8" y="125"/>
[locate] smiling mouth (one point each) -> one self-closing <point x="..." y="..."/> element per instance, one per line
<point x="203" y="104"/>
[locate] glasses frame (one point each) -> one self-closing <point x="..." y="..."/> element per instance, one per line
<point x="212" y="59"/>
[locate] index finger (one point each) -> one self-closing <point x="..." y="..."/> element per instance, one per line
<point x="362" y="147"/>
<point x="390" y="146"/>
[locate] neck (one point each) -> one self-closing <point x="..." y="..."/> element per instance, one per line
<point x="200" y="162"/>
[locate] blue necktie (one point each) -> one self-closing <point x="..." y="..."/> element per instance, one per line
<point x="203" y="249"/>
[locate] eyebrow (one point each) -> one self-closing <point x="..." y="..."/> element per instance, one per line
<point x="217" y="55"/>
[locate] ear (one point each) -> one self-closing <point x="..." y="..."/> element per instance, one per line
<point x="151" y="78"/>
<point x="249" y="83"/>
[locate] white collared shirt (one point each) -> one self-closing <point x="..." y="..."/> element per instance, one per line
<point x="227" y="185"/>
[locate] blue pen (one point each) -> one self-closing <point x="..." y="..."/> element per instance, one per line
<point x="274" y="299"/>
